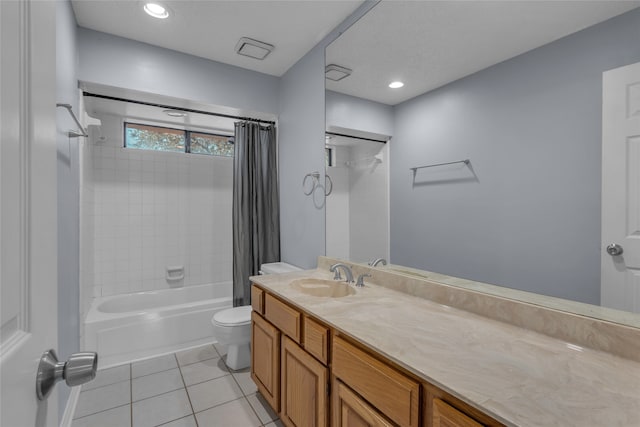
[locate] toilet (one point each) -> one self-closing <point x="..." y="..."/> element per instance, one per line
<point x="232" y="327"/>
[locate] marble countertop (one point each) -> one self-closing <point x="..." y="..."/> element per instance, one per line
<point x="517" y="376"/>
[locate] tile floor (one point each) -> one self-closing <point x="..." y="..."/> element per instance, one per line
<point x="192" y="388"/>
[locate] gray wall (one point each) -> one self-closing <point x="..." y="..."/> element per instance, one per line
<point x="301" y="150"/>
<point x="527" y="213"/>
<point x="68" y="192"/>
<point x="124" y="63"/>
<point x="301" y="144"/>
<point x="360" y="114"/>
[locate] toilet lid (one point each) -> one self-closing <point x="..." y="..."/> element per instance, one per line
<point x="233" y="316"/>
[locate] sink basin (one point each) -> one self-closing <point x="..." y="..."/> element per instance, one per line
<point x="323" y="288"/>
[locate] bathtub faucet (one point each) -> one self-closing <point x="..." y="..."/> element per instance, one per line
<point x="347" y="271"/>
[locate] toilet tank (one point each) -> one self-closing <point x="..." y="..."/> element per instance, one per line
<point x="277" y="268"/>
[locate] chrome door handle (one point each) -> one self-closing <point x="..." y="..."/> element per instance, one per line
<point x="79" y="369"/>
<point x="614" y="249"/>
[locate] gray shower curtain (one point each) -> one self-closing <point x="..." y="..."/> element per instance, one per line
<point x="256" y="208"/>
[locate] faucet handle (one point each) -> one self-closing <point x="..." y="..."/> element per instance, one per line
<point x="360" y="281"/>
<point x="334" y="269"/>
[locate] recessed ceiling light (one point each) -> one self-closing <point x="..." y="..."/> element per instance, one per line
<point x="336" y="72"/>
<point x="156" y="10"/>
<point x="396" y="85"/>
<point x="174" y="113"/>
<point x="253" y="48"/>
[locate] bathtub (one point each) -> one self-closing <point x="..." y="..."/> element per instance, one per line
<point x="124" y="328"/>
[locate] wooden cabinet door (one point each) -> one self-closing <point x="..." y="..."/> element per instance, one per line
<point x="350" y="410"/>
<point x="265" y="359"/>
<point x="445" y="415"/>
<point x="304" y="388"/>
<point x="390" y="391"/>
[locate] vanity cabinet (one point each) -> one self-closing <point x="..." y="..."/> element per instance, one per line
<point x="294" y="356"/>
<point x="287" y="365"/>
<point x="305" y="386"/>
<point x="393" y="394"/>
<point x="265" y="359"/>
<point x="445" y="415"/>
<point x="350" y="410"/>
<point x="443" y="410"/>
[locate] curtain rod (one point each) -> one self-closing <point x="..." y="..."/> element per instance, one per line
<point x="171" y="107"/>
<point x="355" y="137"/>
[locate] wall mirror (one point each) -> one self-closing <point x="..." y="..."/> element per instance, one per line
<point x="515" y="88"/>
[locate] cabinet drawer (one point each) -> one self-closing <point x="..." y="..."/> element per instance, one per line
<point x="257" y="299"/>
<point x="350" y="410"/>
<point x="284" y="317"/>
<point x="386" y="389"/>
<point x="445" y="415"/>
<point x="316" y="339"/>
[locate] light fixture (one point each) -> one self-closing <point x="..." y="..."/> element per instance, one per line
<point x="396" y="85"/>
<point x="336" y="72"/>
<point x="174" y="113"/>
<point x="253" y="48"/>
<point x="156" y="10"/>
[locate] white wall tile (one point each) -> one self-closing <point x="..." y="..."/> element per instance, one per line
<point x="151" y="210"/>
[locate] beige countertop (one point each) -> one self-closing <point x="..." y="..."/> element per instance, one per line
<point x="515" y="375"/>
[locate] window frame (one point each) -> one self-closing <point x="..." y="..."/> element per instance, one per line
<point x="187" y="138"/>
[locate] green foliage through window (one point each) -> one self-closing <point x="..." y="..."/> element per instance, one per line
<point x="146" y="137"/>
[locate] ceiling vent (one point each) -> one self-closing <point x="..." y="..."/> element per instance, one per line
<point x="336" y="73"/>
<point x="253" y="48"/>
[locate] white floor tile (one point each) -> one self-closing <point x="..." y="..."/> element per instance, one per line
<point x="196" y="355"/>
<point x="236" y="413"/>
<point x="221" y="349"/>
<point x="161" y="409"/>
<point x="212" y="393"/>
<point x="203" y="371"/>
<point x="154" y="384"/>
<point x="102" y="398"/>
<point x="120" y="416"/>
<point x="247" y="385"/>
<point x="152" y="366"/>
<point x="189" y="421"/>
<point x="262" y="408"/>
<point x="109" y="376"/>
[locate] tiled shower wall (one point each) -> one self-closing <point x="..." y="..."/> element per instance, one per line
<point x="154" y="210"/>
<point x="358" y="207"/>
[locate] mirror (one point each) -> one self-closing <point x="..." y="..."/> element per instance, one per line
<point x="357" y="210"/>
<point x="515" y="88"/>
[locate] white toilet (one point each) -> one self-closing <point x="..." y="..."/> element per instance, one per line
<point x="232" y="326"/>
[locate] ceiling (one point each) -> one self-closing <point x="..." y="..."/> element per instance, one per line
<point x="427" y="44"/>
<point x="210" y="29"/>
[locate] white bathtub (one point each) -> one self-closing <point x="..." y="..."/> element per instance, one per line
<point x="123" y="328"/>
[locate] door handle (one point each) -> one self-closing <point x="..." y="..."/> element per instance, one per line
<point x="79" y="369"/>
<point x="614" y="249"/>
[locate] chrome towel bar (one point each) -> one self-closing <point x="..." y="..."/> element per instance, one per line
<point x="465" y="161"/>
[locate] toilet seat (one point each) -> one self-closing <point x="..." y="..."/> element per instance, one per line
<point x="236" y="316"/>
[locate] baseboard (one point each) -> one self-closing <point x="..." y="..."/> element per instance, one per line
<point x="67" y="417"/>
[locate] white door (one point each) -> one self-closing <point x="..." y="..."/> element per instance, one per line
<point x="620" y="283"/>
<point x="28" y="272"/>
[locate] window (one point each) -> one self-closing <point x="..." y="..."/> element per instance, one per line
<point x="215" y="145"/>
<point x="147" y="137"/>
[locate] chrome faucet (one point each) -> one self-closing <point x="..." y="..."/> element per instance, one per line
<point x="360" y="281"/>
<point x="378" y="261"/>
<point x="347" y="271"/>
